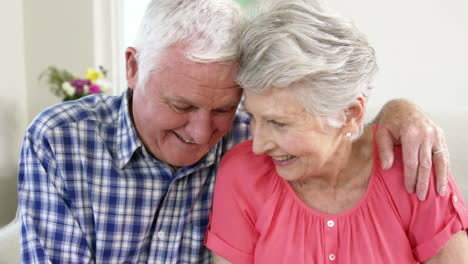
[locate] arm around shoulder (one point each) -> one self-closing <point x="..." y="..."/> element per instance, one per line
<point x="403" y="122"/>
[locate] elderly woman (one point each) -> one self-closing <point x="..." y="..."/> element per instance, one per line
<point x="309" y="187"/>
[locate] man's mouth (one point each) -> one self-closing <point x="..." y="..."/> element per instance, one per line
<point x="184" y="139"/>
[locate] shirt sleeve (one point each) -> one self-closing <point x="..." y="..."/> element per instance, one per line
<point x="434" y="221"/>
<point x="49" y="231"/>
<point x="231" y="232"/>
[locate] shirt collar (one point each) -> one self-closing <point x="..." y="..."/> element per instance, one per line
<point x="207" y="160"/>
<point x="128" y="141"/>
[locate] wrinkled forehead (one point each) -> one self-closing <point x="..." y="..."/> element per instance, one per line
<point x="210" y="85"/>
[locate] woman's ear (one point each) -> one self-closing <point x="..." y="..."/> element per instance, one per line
<point x="131" y="67"/>
<point x="355" y="112"/>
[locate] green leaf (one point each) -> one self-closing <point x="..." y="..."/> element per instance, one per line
<point x="55" y="78"/>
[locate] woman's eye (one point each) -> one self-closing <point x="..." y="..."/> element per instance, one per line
<point x="276" y="123"/>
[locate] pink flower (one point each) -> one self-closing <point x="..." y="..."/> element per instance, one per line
<point x="94" y="89"/>
<point x="79" y="85"/>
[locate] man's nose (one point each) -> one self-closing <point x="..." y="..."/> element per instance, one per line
<point x="262" y="142"/>
<point x="201" y="127"/>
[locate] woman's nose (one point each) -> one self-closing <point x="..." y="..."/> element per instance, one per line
<point x="262" y="141"/>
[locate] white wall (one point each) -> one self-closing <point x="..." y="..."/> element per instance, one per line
<point x="13" y="110"/>
<point x="422" y="49"/>
<point x="35" y="34"/>
<point x="422" y="52"/>
<point x="132" y="14"/>
<point x="57" y="33"/>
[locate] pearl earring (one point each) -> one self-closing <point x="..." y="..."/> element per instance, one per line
<point x="348" y="135"/>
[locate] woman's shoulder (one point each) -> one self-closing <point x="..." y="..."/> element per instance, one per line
<point x="238" y="152"/>
<point x="246" y="171"/>
<point x="390" y="186"/>
<point x="429" y="223"/>
<point x="241" y="159"/>
<point x="394" y="176"/>
<point x="393" y="180"/>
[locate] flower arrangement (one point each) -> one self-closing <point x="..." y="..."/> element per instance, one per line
<point x="68" y="87"/>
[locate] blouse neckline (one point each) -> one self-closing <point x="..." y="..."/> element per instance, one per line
<point x="357" y="206"/>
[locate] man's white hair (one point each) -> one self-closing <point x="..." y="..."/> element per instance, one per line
<point x="322" y="57"/>
<point x="210" y="28"/>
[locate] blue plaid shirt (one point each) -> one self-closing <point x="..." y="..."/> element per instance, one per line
<point x="89" y="191"/>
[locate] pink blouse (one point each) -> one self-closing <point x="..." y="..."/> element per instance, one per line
<point x="258" y="218"/>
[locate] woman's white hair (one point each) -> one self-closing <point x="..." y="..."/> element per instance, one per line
<point x="322" y="57"/>
<point x="211" y="28"/>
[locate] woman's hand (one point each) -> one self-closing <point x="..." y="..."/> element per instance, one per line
<point x="423" y="145"/>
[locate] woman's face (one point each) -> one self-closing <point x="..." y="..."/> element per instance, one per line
<point x="296" y="142"/>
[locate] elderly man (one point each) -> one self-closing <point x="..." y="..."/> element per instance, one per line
<point x="127" y="179"/>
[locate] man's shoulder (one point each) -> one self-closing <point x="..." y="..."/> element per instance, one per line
<point x="100" y="109"/>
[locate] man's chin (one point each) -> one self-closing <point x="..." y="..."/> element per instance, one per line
<point x="184" y="162"/>
<point x="182" y="157"/>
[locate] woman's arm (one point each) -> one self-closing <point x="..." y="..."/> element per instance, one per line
<point x="456" y="251"/>
<point x="217" y="259"/>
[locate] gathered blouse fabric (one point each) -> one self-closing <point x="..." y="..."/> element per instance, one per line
<point x="258" y="218"/>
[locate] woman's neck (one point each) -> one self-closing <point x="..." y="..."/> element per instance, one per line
<point x="344" y="181"/>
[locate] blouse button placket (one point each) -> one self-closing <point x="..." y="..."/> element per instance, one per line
<point x="331" y="240"/>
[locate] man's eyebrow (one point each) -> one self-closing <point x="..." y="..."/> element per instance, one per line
<point x="180" y="100"/>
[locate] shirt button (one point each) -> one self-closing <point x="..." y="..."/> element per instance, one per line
<point x="455" y="198"/>
<point x="332" y="257"/>
<point x="331" y="223"/>
<point x="161" y="235"/>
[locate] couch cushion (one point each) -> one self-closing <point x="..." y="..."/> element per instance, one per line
<point x="10" y="243"/>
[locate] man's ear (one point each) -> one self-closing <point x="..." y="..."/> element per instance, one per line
<point x="131" y="67"/>
<point x="355" y="112"/>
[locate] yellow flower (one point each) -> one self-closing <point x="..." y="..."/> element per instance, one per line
<point x="93" y="75"/>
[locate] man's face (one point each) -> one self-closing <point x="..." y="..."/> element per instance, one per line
<point x="185" y="107"/>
